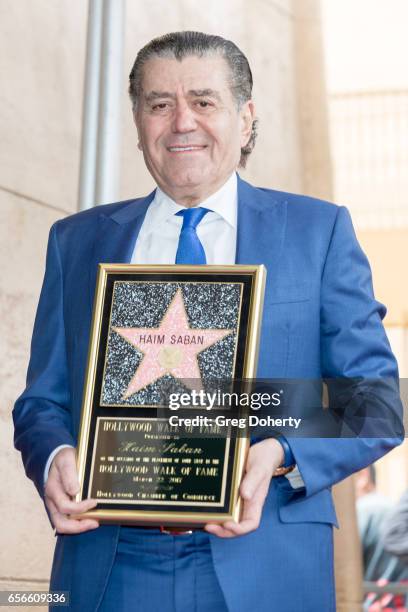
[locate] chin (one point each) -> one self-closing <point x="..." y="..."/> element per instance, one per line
<point x="188" y="178"/>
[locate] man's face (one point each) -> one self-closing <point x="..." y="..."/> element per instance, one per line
<point x="190" y="130"/>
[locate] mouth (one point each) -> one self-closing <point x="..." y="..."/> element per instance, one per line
<point x="186" y="149"/>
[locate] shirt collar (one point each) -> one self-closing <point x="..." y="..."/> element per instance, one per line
<point x="223" y="202"/>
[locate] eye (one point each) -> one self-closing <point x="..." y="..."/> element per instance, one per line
<point x="160" y="106"/>
<point x="203" y="104"/>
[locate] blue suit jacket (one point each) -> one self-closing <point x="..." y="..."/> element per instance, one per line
<point x="320" y="320"/>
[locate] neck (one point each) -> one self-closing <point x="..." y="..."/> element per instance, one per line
<point x="190" y="197"/>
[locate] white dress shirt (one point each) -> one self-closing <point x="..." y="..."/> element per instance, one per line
<point x="158" y="239"/>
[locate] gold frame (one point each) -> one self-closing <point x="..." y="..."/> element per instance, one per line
<point x="155" y="517"/>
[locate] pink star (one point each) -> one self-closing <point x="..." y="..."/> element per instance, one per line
<point x="171" y="348"/>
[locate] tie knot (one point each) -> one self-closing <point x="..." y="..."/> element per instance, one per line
<point x="192" y="216"/>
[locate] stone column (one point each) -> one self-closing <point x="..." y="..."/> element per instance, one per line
<point x="312" y="99"/>
<point x="347" y="550"/>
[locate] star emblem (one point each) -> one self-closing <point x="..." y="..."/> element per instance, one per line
<point x="172" y="348"/>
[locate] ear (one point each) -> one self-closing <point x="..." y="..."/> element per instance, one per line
<point x="247" y="114"/>
<point x="135" y="121"/>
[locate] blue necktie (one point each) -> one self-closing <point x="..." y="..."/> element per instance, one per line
<point x="190" y="250"/>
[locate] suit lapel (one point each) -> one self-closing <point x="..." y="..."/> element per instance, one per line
<point x="261" y="228"/>
<point x="116" y="237"/>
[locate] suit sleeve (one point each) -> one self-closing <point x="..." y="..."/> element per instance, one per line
<point x="41" y="415"/>
<point x="358" y="364"/>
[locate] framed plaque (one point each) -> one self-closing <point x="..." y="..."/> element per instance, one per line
<point x="163" y="340"/>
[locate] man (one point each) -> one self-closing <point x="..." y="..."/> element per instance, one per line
<point x="372" y="511"/>
<point x="191" y="96"/>
<point x="396" y="530"/>
<point x="373" y="516"/>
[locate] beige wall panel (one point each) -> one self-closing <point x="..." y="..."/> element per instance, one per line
<point x="10" y="585"/>
<point x="27" y="539"/>
<point x="42" y="55"/>
<point x="40" y="122"/>
<point x="387" y="253"/>
<point x="25" y="552"/>
<point x="276" y="161"/>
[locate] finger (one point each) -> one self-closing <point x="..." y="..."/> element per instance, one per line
<point x="262" y="460"/>
<point x="65" y="505"/>
<point x="251" y="516"/>
<point x="71" y="526"/>
<point x="55" y="491"/>
<point x="63" y="524"/>
<point x="242" y="528"/>
<point x="252" y="480"/>
<point x="68" y="474"/>
<point x="251" y="513"/>
<point x="63" y="468"/>
<point x="219" y="530"/>
<point x="72" y="507"/>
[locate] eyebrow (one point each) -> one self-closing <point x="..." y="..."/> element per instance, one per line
<point x="211" y="93"/>
<point x="154" y="95"/>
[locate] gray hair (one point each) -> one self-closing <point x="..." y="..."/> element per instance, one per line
<point x="182" y="44"/>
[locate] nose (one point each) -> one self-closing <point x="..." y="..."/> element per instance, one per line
<point x="183" y="120"/>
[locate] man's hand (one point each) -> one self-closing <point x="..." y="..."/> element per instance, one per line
<point x="263" y="458"/>
<point x="61" y="486"/>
